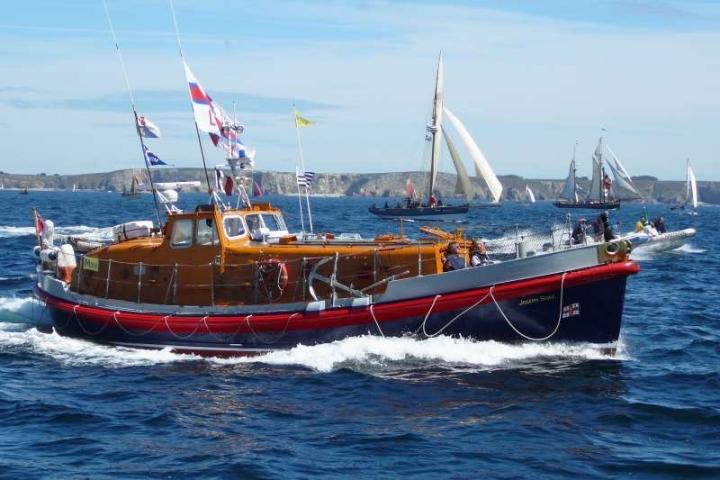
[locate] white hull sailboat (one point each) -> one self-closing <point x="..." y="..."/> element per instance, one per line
<point x="431" y="208"/>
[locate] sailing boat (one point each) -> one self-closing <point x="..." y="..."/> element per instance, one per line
<point x="529" y="193"/>
<point x="604" y="194"/>
<point x="432" y="208"/>
<point x="691" y="192"/>
<point x="24" y="191"/>
<point x="133" y="191"/>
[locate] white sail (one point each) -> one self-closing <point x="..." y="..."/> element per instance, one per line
<point x="530" y="194"/>
<point x="691" y="188"/>
<point x="482" y="167"/>
<point x="436" y="125"/>
<point x="570" y="189"/>
<point x="596" y="183"/>
<point x="622" y="177"/>
<point x="463" y="185"/>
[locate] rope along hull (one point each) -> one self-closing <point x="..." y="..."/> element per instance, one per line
<point x="591" y="311"/>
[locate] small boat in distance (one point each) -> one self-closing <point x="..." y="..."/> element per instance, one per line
<point x="24" y="191"/>
<point x="433" y="208"/>
<point x="133" y="191"/>
<point x="691" y="192"/>
<point x="604" y="194"/>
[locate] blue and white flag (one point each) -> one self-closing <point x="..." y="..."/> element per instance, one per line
<point x="304" y="179"/>
<point x="151" y="158"/>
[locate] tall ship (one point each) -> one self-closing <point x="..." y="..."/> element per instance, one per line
<point x="430" y="206"/>
<point x="604" y="193"/>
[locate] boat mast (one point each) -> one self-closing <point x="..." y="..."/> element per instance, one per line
<point x="574" y="176"/>
<point x="436" y="126"/>
<point x="135" y="115"/>
<point x="197" y="130"/>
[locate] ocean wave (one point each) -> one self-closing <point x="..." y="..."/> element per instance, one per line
<point x="15" y="310"/>
<point x="9" y="231"/>
<point x="79" y="352"/>
<point x="373" y="351"/>
<point x="363" y="353"/>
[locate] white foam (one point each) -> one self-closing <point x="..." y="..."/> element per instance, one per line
<point x="7" y="231"/>
<point x="18" y="310"/>
<point x="78" y="352"/>
<point x="688" y="248"/>
<point x="373" y="351"/>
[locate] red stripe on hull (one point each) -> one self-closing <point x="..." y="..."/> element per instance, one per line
<point x="334" y="317"/>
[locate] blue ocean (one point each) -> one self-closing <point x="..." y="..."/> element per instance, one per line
<point x="369" y="407"/>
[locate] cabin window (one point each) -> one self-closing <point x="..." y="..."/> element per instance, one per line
<point x="234" y="227"/>
<point x="271" y="223"/>
<point x="205" y="234"/>
<point x="253" y="222"/>
<point x="182" y="233"/>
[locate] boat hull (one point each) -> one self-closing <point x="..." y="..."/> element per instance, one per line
<point x="422" y="213"/>
<point x="614" y="205"/>
<point x="579" y="306"/>
<point x="660" y="243"/>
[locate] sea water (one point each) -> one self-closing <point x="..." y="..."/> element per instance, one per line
<point x="368" y="406"/>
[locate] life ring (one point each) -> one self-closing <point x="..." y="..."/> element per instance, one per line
<point x="273" y="277"/>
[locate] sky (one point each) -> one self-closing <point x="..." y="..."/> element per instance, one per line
<point x="527" y="78"/>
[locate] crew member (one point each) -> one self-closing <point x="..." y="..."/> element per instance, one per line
<point x="640" y="224"/>
<point x="478" y="254"/>
<point x="606" y="228"/>
<point x="578" y="233"/>
<point x="660" y="225"/>
<point x="453" y="260"/>
<point x="432" y="201"/>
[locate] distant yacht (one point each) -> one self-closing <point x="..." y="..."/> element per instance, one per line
<point x="431" y="207"/>
<point x="691" y="191"/>
<point x="604" y="194"/>
<point x="529" y="194"/>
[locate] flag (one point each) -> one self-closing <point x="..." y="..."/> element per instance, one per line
<point x="146" y="128"/>
<point x="301" y="122"/>
<point x="212" y="119"/>
<point x="39" y="223"/>
<point x="571" y="310"/>
<point x="152" y="159"/>
<point x="304" y="179"/>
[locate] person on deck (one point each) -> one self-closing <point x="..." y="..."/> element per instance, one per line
<point x="659" y="224"/>
<point x="432" y="200"/>
<point x="640" y="224"/>
<point x="453" y="260"/>
<point x="478" y="254"/>
<point x="607" y="230"/>
<point x="578" y="233"/>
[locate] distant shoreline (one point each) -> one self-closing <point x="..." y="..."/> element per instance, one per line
<point x="380" y="185"/>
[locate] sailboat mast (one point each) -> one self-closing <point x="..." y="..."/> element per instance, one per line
<point x="436" y="126"/>
<point x="574" y="175"/>
<point x="134" y="112"/>
<point x="197" y="130"/>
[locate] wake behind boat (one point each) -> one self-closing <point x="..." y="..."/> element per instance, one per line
<point x="433" y="208"/>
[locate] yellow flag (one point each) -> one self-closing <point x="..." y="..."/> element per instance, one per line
<point x="301" y="122"/>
